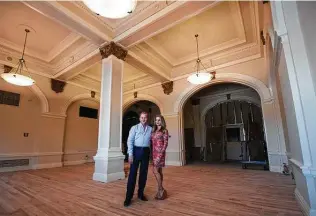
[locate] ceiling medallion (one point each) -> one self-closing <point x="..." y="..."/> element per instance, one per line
<point x="113" y="9"/>
<point x="15" y="76"/>
<point x="200" y="77"/>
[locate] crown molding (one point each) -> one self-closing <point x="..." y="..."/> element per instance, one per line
<point x="62" y="46"/>
<point x="184" y="11"/>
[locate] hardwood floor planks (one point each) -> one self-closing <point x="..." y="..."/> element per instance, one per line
<point x="221" y="190"/>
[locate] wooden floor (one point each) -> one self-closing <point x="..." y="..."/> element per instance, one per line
<point x="193" y="190"/>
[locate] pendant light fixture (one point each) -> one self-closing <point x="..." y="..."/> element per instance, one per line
<point x="15" y="76"/>
<point x="201" y="76"/>
<point x="113" y="9"/>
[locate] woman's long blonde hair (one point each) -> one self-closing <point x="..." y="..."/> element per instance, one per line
<point x="163" y="123"/>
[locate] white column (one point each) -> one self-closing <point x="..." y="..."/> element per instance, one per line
<point x="109" y="160"/>
<point x="287" y="24"/>
<point x="274" y="137"/>
<point x="175" y="150"/>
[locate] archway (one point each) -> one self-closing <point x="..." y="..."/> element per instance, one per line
<point x="203" y="101"/>
<point x="81" y="131"/>
<point x="131" y="117"/>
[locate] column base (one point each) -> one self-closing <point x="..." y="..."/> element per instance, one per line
<point x="108" y="168"/>
<point x="108" y="177"/>
<point x="276" y="161"/>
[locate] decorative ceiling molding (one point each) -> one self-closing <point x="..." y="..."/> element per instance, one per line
<point x="77" y="56"/>
<point x="145" y="81"/>
<point x="162" y="20"/>
<point x="62" y="46"/>
<point x="58" y="12"/>
<point x="113" y="49"/>
<point x="156" y="70"/>
<point x="144" y="10"/>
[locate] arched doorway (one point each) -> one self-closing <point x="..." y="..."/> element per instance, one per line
<point x="218" y="119"/>
<point x="131" y="117"/>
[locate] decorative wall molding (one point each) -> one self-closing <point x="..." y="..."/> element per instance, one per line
<point x="85" y="96"/>
<point x="77" y="162"/>
<point x="53" y="115"/>
<point x="41" y="96"/>
<point x="252" y="82"/>
<point x="30" y="154"/>
<point x="80" y="152"/>
<point x="113" y="49"/>
<point x="128" y="101"/>
<point x="47" y="165"/>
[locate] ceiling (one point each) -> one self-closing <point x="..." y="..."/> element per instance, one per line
<point x="159" y="36"/>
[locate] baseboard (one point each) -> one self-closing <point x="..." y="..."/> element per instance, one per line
<point x="13" y="169"/>
<point x="303" y="204"/>
<point x="173" y="163"/>
<point x="78" y="162"/>
<point x="47" y="165"/>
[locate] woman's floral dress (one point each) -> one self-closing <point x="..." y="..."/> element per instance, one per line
<point x="159" y="144"/>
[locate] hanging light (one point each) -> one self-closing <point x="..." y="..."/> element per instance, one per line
<point x="113" y="9"/>
<point x="15" y="76"/>
<point x="200" y="77"/>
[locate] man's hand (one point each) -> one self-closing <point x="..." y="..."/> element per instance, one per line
<point x="130" y="159"/>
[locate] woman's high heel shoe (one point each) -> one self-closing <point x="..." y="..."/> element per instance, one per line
<point x="162" y="194"/>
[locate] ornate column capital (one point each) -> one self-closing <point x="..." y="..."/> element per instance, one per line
<point x="113" y="49"/>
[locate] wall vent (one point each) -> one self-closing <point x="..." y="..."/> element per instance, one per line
<point x="9" y="98"/>
<point x="14" y="163"/>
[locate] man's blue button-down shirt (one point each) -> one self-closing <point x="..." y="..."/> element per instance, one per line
<point x="139" y="136"/>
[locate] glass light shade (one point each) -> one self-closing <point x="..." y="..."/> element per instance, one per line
<point x="200" y="78"/>
<point x="17" y="79"/>
<point x="111" y="8"/>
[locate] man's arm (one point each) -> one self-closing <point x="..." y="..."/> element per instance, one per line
<point x="131" y="141"/>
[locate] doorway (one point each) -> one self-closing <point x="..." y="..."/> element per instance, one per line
<point x="131" y="118"/>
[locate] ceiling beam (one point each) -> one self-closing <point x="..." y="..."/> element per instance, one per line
<point x="91" y="60"/>
<point x="162" y="21"/>
<point x="147" y="67"/>
<point x="71" y="20"/>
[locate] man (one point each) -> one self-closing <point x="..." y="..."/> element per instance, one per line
<point x="138" y="144"/>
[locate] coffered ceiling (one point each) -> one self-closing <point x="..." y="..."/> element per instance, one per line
<point x="159" y="35"/>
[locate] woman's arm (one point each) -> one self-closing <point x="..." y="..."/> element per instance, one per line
<point x="165" y="140"/>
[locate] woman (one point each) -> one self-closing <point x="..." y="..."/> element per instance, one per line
<point x="159" y="140"/>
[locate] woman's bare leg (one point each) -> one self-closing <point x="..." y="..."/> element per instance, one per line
<point x="158" y="176"/>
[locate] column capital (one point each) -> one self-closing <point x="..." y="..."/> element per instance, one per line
<point x="113" y="49"/>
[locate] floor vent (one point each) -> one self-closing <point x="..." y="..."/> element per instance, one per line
<point x="14" y="163"/>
